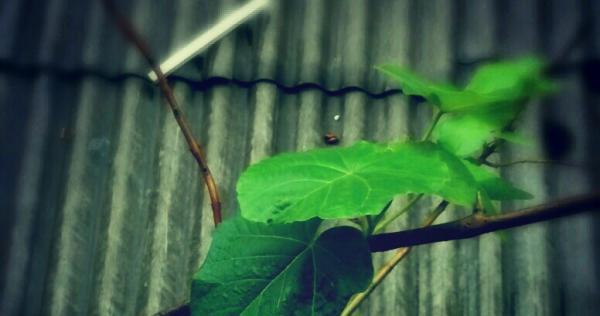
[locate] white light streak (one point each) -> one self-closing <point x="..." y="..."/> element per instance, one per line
<point x="205" y="39"/>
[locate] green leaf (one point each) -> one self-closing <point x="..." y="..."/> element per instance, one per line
<point x="448" y="98"/>
<point x="511" y="80"/>
<point x="349" y="182"/>
<point x="495" y="187"/>
<point x="465" y="133"/>
<point x="507" y="85"/>
<point x="258" y="269"/>
<point x="478" y="113"/>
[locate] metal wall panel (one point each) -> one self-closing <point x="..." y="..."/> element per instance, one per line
<point x="103" y="210"/>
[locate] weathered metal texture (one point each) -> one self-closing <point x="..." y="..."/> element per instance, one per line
<point x="103" y="210"/>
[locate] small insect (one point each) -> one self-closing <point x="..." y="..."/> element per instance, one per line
<point x="330" y="138"/>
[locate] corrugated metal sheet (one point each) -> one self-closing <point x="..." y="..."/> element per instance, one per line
<point x="102" y="208"/>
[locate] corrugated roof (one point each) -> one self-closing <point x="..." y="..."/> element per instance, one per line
<point x="104" y="211"/>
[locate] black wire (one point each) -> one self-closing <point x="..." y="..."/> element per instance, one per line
<point x="198" y="85"/>
<point x="558" y="66"/>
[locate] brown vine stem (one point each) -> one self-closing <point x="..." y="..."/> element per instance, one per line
<point x="384" y="270"/>
<point x="479" y="224"/>
<point x="128" y="30"/>
<point x="467" y="227"/>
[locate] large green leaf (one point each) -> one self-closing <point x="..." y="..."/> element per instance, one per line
<point x="258" y="269"/>
<point x="350" y="182"/>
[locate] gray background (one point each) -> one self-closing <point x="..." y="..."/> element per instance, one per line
<point x="102" y="207"/>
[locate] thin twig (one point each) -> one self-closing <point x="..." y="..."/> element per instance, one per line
<point x="384" y="270"/>
<point x="479" y="224"/>
<point x="534" y="161"/>
<point x="134" y="38"/>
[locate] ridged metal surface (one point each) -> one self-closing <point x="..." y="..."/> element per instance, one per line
<point x="103" y="210"/>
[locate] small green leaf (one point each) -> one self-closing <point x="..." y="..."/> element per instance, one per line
<point x="507" y="86"/>
<point x="350" y="182"/>
<point x="258" y="269"/>
<point x="475" y="115"/>
<point x="495" y="187"/>
<point x="492" y="84"/>
<point x="462" y="135"/>
<point x="448" y="98"/>
<point x="465" y="133"/>
<point x="511" y="80"/>
<point x="413" y="84"/>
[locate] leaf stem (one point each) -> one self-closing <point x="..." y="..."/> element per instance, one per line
<point x="436" y="119"/>
<point x="134" y="38"/>
<point x="384" y="270"/>
<point x="379" y="227"/>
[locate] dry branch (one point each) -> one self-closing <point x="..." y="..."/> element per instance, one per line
<point x="134" y="38"/>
